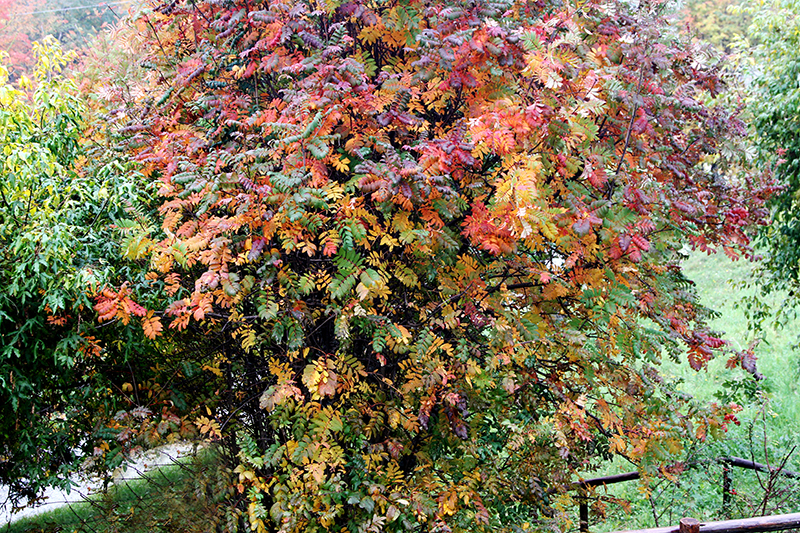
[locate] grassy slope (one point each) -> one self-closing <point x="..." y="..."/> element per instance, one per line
<point x="181" y="498"/>
<point x="718" y="281"/>
<point x="766" y="434"/>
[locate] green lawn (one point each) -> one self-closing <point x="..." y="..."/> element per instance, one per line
<point x="768" y="432"/>
<point x="719" y="283"/>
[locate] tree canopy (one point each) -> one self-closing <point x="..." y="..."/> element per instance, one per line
<point x="53" y="249"/>
<point x="775" y="108"/>
<point x="718" y="22"/>
<point x="416" y="263"/>
<point x="67" y="203"/>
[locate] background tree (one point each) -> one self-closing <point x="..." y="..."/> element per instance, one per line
<point x="64" y="201"/>
<point x="719" y="22"/>
<point x="775" y="107"/>
<point x="23" y="22"/>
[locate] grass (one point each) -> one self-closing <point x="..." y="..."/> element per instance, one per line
<point x="719" y="287"/>
<point x="184" y="497"/>
<point x="768" y="432"/>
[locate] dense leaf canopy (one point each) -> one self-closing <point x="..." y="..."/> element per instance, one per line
<point x="51" y="248"/>
<point x="66" y="202"/>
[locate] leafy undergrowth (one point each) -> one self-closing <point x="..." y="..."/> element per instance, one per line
<point x="767" y="430"/>
<point x="188" y="496"/>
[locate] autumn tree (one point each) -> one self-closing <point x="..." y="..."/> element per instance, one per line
<point x="429" y="252"/>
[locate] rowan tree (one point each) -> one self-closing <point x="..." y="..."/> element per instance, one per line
<point x="429" y="251"/>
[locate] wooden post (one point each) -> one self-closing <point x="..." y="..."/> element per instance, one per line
<point x="689" y="525"/>
<point x="584" y="510"/>
<point x="726" y="490"/>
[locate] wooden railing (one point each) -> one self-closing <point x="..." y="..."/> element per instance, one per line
<point x="729" y="526"/>
<point x="780" y="522"/>
<point x="597" y="482"/>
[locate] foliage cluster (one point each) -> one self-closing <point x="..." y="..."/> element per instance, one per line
<point x="415" y="264"/>
<point x="718" y="22"/>
<point x="66" y="201"/>
<point x="52" y="245"/>
<point x="776" y="105"/>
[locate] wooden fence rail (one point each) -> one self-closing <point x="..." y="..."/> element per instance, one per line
<point x="727" y="462"/>
<point x="752" y="465"/>
<point x="745" y="525"/>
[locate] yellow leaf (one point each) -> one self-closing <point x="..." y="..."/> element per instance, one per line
<point x="213" y="369"/>
<point x="405" y="335"/>
<point x="362" y="291"/>
<point x="617" y="444"/>
<point x="334" y="191"/>
<point x="448" y="502"/>
<point x="341" y="164"/>
<point x="353" y="144"/>
<point x="317" y="470"/>
<point x="208" y="427"/>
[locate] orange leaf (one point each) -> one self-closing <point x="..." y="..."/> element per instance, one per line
<point x="152" y="326"/>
